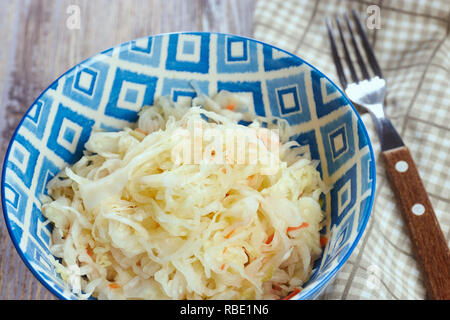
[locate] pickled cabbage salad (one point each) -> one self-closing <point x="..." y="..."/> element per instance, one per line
<point x="138" y="217"/>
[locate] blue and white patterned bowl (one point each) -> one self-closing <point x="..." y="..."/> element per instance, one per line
<point x="108" y="90"/>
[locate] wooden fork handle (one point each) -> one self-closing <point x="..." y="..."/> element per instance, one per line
<point x="429" y="244"/>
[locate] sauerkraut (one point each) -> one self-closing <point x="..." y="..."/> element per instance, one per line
<point x="147" y="214"/>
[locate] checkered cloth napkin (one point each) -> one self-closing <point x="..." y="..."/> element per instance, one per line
<point x="411" y="45"/>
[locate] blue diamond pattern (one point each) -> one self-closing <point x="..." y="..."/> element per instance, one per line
<point x="23" y="166"/>
<point x="18" y="155"/>
<point x="326" y="96"/>
<point x="47" y="171"/>
<point x="366" y="173"/>
<point x="16" y="200"/>
<point x="362" y="208"/>
<point x="242" y="45"/>
<point x="292" y="94"/>
<point x="40" y="256"/>
<point x="343" y="195"/>
<point x="36" y="119"/>
<point x="88" y="94"/>
<point x="235" y="54"/>
<point x="338" y="141"/>
<point x="362" y="139"/>
<point x="197" y="61"/>
<point x="291" y="87"/>
<point x="91" y="75"/>
<point x="146" y="86"/>
<point x="308" y="139"/>
<point x="145" y="51"/>
<point x="40" y="229"/>
<point x="276" y="63"/>
<point x="339" y="243"/>
<point x="74" y="118"/>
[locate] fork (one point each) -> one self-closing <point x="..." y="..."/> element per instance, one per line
<point x="369" y="91"/>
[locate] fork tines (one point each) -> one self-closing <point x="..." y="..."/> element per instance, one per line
<point x="365" y="44"/>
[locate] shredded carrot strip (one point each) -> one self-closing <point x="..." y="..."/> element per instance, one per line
<point x="270" y="238"/>
<point x="142" y="131"/>
<point x="229" y="234"/>
<point x="251" y="180"/>
<point x="114" y="285"/>
<point x="89" y="251"/>
<point x="323" y="241"/>
<point x="222" y="267"/>
<point x="230" y="107"/>
<point x="224" y="170"/>
<point x="303" y="225"/>
<point x="276" y="287"/>
<point x="293" y="293"/>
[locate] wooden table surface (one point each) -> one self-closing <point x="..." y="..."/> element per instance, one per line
<point x="40" y="40"/>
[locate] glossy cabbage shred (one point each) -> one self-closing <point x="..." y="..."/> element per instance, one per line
<point x="132" y="222"/>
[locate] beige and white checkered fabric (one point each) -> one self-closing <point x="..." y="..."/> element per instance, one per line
<point x="411" y="46"/>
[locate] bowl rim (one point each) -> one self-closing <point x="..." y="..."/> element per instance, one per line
<point x="321" y="285"/>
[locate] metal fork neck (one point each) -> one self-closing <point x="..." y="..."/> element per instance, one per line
<point x="389" y="137"/>
<point x="376" y="110"/>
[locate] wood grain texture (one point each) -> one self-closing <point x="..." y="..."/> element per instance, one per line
<point x="37" y="47"/>
<point x="429" y="244"/>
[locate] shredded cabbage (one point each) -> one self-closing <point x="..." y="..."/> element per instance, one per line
<point x="138" y="219"/>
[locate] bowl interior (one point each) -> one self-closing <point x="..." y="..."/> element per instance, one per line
<point x="108" y="90"/>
